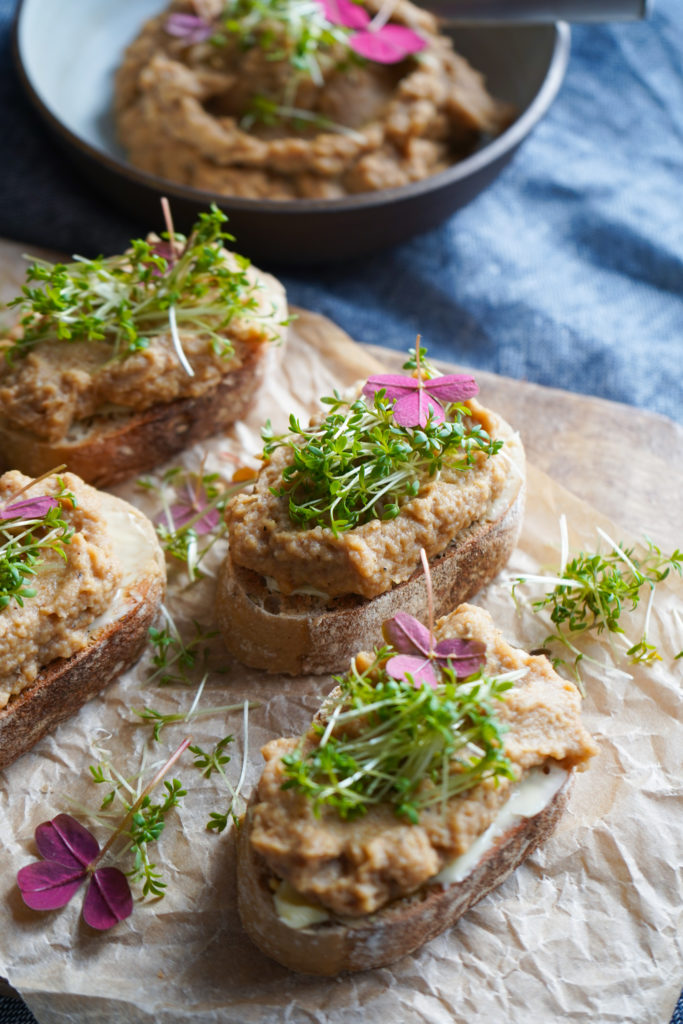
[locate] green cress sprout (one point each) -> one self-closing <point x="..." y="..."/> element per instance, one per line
<point x="385" y="740"/>
<point x="127" y="300"/>
<point x="411" y="726"/>
<point x="192" y="519"/>
<point x="592" y="590"/>
<point x="31" y="531"/>
<point x="359" y="463"/>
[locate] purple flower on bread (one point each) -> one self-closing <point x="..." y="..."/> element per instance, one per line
<point x="189" y="27"/>
<point x="70" y="856"/>
<point x="374" y="39"/>
<point x="29" y="508"/>
<point x="419" y="657"/>
<point x="416" y="399"/>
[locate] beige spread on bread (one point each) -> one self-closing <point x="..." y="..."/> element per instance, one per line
<point x="58" y="385"/>
<point x="355" y="867"/>
<point x="181" y="106"/>
<point x="69" y="594"/>
<point x="371" y="558"/>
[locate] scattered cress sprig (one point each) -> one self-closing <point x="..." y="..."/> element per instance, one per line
<point x="192" y="517"/>
<point x="592" y="592"/>
<point x="359" y="464"/>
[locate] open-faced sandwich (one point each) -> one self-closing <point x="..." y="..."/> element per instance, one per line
<point x="292" y="99"/>
<point x="81" y="580"/>
<point x="436" y="766"/>
<point x="119" y="363"/>
<point x="326" y="545"/>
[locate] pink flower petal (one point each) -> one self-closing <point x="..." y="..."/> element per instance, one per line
<point x="396" y="385"/>
<point x="413" y="410"/>
<point x="454" y="387"/>
<point x="47" y="885"/>
<point x="108" y="899"/>
<point x="65" y="841"/>
<point x="407" y="635"/>
<point x="420" y="670"/>
<point x="345" y="12"/>
<point x="189" y="27"/>
<point x="464" y="656"/>
<point x="29" y="508"/>
<point x="183" y="514"/>
<point x="388" y="45"/>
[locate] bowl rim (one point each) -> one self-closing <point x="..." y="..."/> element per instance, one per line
<point x="488" y="155"/>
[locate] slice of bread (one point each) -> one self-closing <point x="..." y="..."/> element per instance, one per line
<point x="362" y="943"/>
<point x="323" y="893"/>
<point x="116" y="638"/>
<point x="302" y="634"/>
<point x="111" y="447"/>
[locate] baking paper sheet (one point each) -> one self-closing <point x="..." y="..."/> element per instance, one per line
<point x="588" y="929"/>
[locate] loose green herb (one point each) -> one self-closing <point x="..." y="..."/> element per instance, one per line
<point x="125" y="300"/>
<point x="386" y="740"/>
<point x="593" y="591"/>
<point x="192" y="517"/>
<point x="26" y="542"/>
<point x="359" y="464"/>
<point x="143" y="820"/>
<point x="215" y="761"/>
<point x="176" y="661"/>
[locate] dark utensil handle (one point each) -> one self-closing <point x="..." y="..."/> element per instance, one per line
<point x="539" y="10"/>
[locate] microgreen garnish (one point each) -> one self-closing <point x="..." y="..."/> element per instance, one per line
<point x="192" y="506"/>
<point x="314" y="36"/>
<point x="385" y="740"/>
<point x="31" y="530"/>
<point x="125" y="300"/>
<point x="360" y="464"/>
<point x="72" y="855"/>
<point x="592" y="590"/>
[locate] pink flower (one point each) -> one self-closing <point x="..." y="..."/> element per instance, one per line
<point x="419" y="656"/>
<point x="416" y="399"/>
<point x="387" y="44"/>
<point x="189" y="27"/>
<point x="70" y="854"/>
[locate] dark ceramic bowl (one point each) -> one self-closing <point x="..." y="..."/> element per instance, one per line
<point x="67" y="53"/>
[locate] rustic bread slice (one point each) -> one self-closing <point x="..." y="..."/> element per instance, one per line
<point x="302" y="634"/>
<point x="362" y="943"/>
<point x="115" y="641"/>
<point x="111" y="447"/>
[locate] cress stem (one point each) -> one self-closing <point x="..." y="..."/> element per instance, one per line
<point x="146" y="791"/>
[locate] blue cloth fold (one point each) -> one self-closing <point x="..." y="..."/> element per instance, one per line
<point x="567" y="271"/>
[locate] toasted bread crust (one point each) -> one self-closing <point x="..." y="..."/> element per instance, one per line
<point x="270" y="631"/>
<point x="358" y="944"/>
<point x="116" y="447"/>
<point x="66" y="684"/>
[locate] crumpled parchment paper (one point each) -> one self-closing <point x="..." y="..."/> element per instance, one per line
<point x="588" y="929"/>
